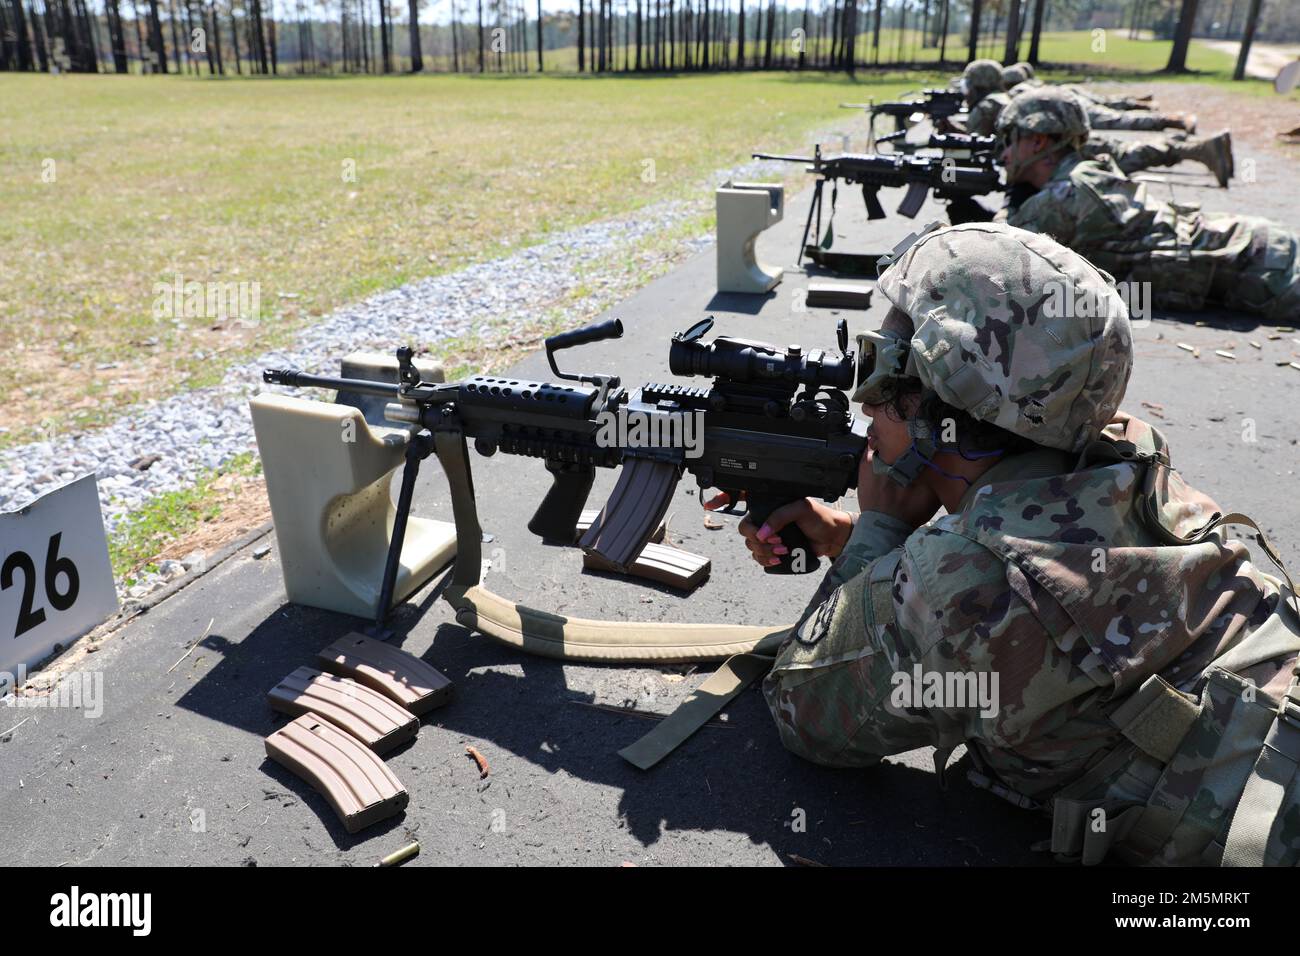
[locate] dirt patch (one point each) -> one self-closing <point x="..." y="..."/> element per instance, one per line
<point x="1265" y="59"/>
<point x="244" y="506"/>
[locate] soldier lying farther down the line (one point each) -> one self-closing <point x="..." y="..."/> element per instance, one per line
<point x="1022" y="73"/>
<point x="1191" y="259"/>
<point x="985" y="96"/>
<point x="1139" y="657"/>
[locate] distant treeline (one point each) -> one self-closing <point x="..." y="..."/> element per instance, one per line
<point x="221" y="37"/>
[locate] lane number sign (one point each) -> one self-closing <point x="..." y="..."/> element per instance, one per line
<point x="56" y="582"/>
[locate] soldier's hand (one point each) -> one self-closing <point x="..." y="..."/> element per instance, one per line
<point x="913" y="504"/>
<point x="826" y="528"/>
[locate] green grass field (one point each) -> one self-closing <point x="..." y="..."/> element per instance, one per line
<point x="322" y="190"/>
<point x="247" y="180"/>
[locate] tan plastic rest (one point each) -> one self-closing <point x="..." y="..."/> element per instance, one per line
<point x="743" y="211"/>
<point x="328" y="476"/>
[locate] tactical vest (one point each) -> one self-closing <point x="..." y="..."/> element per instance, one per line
<point x="1203" y="774"/>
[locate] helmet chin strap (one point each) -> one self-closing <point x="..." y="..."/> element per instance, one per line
<point x="920" y="454"/>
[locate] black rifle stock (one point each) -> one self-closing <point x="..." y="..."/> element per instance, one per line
<point x="761" y="443"/>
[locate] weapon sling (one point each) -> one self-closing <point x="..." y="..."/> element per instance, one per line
<point x="748" y="649"/>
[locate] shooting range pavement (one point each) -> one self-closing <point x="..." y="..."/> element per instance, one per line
<point x="177" y="747"/>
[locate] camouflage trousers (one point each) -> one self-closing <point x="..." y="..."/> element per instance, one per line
<point x="1112" y="102"/>
<point x="1103" y="117"/>
<point x="1133" y="155"/>
<point x="1267" y="279"/>
<point x="1242" y="263"/>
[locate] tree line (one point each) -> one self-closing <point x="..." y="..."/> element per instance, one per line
<point x="216" y="37"/>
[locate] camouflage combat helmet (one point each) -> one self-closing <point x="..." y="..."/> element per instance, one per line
<point x="1027" y="67"/>
<point x="1009" y="326"/>
<point x="1053" y="111"/>
<point x="981" y="77"/>
<point x="1013" y="76"/>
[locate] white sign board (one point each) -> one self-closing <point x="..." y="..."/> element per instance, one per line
<point x="56" y="582"/>
<point x="1287" y="78"/>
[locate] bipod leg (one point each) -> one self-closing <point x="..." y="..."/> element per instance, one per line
<point x="814" y="207"/>
<point x="417" y="449"/>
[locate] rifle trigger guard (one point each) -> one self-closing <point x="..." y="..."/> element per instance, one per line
<point x="732" y="507"/>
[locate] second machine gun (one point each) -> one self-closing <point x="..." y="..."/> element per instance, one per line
<point x="937" y="106"/>
<point x="777" y="427"/>
<point x="956" y="182"/>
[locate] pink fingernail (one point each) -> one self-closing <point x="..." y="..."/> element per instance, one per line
<point x="763" y="532"/>
<point x="773" y="561"/>
<point x="780" y="549"/>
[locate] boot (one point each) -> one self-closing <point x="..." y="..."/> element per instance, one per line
<point x="1214" y="152"/>
<point x="1187" y="121"/>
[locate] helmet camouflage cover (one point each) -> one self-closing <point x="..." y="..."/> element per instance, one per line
<point x="1052" y="111"/>
<point x="983" y="75"/>
<point x="1027" y="67"/>
<point x="1015" y="329"/>
<point x="1013" y="76"/>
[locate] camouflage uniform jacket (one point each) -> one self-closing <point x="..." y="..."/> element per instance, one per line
<point x="1192" y="259"/>
<point x="1048" y="579"/>
<point x="982" y="120"/>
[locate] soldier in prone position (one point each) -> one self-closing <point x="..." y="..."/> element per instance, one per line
<point x="985" y="94"/>
<point x="1023" y="73"/>
<point x="1192" y="259"/>
<point x="1139" y="656"/>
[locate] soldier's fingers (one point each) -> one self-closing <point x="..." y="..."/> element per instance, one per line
<point x="782" y="516"/>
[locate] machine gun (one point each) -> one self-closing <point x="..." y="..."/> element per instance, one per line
<point x="765" y="441"/>
<point x="958" y="183"/>
<point x="937" y="105"/>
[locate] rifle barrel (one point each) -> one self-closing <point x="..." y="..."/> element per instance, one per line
<point x="296" y="379"/>
<point x="784" y="159"/>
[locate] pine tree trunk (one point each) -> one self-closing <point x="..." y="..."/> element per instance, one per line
<point x="22" y="43"/>
<point x="740" y="38"/>
<point x="1243" y="55"/>
<point x="234" y="39"/>
<point x="1038" y="28"/>
<point x="417" y="58"/>
<point x="771" y="26"/>
<point x="851" y="58"/>
<point x="1182" y="38"/>
<point x="1011" y="53"/>
<point x="40" y="40"/>
<point x="455" y="38"/>
<point x="176" y="43"/>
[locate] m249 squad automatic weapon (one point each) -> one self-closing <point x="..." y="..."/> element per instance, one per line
<point x="777" y="426"/>
<point x="935" y="105"/>
<point x="956" y="182"/>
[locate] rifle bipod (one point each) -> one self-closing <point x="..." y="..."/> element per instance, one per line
<point x="418" y="448"/>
